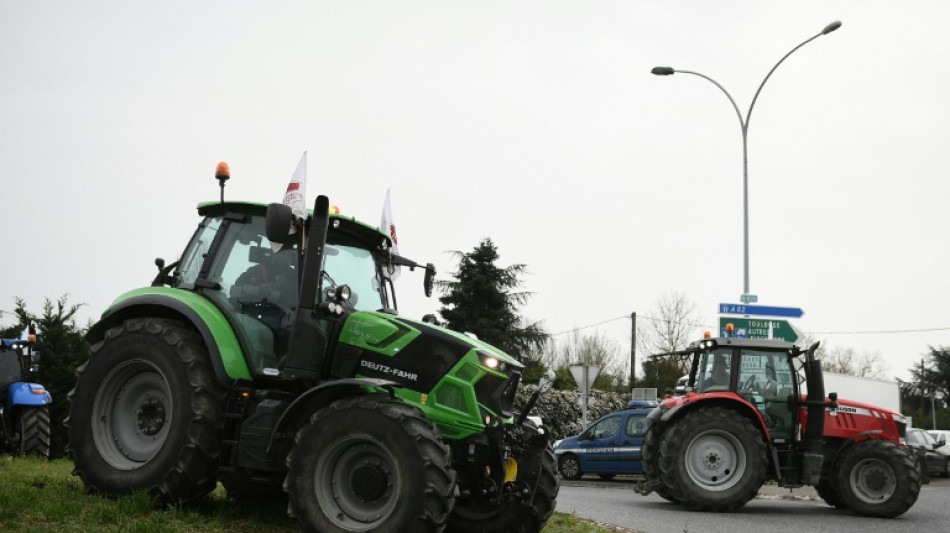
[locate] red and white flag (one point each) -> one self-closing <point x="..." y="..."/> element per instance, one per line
<point x="296" y="195"/>
<point x="388" y="226"/>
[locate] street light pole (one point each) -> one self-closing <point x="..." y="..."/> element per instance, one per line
<point x="744" y="125"/>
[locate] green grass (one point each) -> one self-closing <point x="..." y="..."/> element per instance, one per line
<point x="41" y="496"/>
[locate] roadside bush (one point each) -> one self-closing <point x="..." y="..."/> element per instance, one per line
<point x="561" y="410"/>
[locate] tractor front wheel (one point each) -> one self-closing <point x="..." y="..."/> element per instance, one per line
<point x="369" y="463"/>
<point x="526" y="512"/>
<point x="32" y="430"/>
<point x="713" y="459"/>
<point x="145" y="413"/>
<point x="827" y="490"/>
<point x="876" y="477"/>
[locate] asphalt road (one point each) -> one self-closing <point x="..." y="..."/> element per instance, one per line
<point x="775" y="510"/>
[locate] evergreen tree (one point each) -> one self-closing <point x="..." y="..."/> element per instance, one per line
<point x="483" y="299"/>
<point x="62" y="347"/>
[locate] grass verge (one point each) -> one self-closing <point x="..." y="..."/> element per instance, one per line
<point x="41" y="496"/>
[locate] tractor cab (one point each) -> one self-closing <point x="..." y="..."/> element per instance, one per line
<point x="255" y="280"/>
<point x="17" y="361"/>
<point x="761" y="373"/>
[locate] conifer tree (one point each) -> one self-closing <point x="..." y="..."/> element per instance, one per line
<point x="484" y="299"/>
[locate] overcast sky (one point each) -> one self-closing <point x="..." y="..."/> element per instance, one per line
<point x="535" y="123"/>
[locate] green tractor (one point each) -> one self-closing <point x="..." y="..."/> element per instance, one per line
<point x="271" y="356"/>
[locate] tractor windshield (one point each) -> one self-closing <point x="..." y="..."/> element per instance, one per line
<point x="356" y="267"/>
<point x="10" y="370"/>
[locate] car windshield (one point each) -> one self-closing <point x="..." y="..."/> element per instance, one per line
<point x="924" y="438"/>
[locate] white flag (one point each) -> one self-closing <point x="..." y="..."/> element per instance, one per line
<point x="296" y="195"/>
<point x="388" y="226"/>
<point x="25" y="336"/>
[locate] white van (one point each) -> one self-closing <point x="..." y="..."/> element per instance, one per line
<point x="942" y="436"/>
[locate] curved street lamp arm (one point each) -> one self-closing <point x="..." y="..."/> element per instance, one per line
<point x="767" y="76"/>
<point x="742" y="123"/>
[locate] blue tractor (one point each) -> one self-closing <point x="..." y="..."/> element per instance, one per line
<point x="24" y="406"/>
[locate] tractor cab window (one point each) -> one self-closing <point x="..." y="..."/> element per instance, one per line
<point x="715" y="370"/>
<point x="766" y="381"/>
<point x="10" y="370"/>
<point x="194" y="256"/>
<point x="256" y="289"/>
<point x="356" y="267"/>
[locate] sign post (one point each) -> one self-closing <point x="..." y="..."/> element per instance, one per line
<point x="584" y="376"/>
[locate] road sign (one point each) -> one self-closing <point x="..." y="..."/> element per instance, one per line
<point x="749" y="298"/>
<point x="759" y="310"/>
<point x="758" y="328"/>
<point x="584" y="376"/>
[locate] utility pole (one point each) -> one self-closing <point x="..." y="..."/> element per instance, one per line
<point x="633" y="350"/>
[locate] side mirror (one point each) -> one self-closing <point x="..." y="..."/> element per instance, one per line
<point x="428" y="281"/>
<point x="941" y="441"/>
<point x="280" y="218"/>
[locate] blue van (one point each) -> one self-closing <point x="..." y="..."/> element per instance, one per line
<point x="610" y="446"/>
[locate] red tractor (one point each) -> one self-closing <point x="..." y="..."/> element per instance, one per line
<point x="755" y="411"/>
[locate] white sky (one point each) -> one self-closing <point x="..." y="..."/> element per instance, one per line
<point x="537" y="124"/>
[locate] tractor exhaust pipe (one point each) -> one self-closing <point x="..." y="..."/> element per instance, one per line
<point x="812" y="456"/>
<point x="308" y="342"/>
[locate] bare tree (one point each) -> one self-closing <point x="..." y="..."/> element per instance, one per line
<point x="670" y="326"/>
<point x="590" y="350"/>
<point x="846" y="360"/>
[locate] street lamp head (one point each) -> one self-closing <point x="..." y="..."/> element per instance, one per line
<point x="831" y="27"/>
<point x="663" y="71"/>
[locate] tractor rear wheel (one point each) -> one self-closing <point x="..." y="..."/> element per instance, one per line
<point x="651" y="461"/>
<point x="713" y="459"/>
<point x="145" y="412"/>
<point x="876" y="477"/>
<point x="369" y="463"/>
<point x="32" y="430"/>
<point x="526" y="514"/>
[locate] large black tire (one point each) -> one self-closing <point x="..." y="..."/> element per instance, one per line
<point x="713" y="459"/>
<point x="828" y="491"/>
<point x="145" y="413"/>
<point x="877" y="478"/>
<point x="369" y="463"/>
<point x="513" y="515"/>
<point x="650" y="460"/>
<point x="570" y="466"/>
<point x="31" y="431"/>
<point x="243" y="487"/>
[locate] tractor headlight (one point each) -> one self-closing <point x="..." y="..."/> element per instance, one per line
<point x="345" y="292"/>
<point x="492" y="362"/>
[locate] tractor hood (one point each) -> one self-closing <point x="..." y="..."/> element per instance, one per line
<point x="414" y="353"/>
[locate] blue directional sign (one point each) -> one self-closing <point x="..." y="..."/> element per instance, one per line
<point x="759" y="310"/>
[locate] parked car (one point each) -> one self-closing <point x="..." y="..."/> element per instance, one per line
<point x="610" y="446"/>
<point x="936" y="458"/>
<point x="942" y="436"/>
